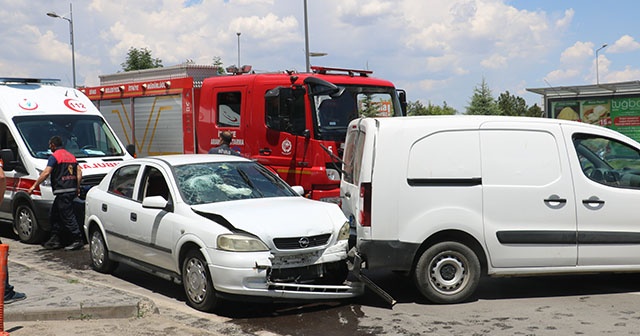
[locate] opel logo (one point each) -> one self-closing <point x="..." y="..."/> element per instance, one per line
<point x="303" y="242"/>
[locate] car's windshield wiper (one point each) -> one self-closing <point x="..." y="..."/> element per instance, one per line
<point x="248" y="181"/>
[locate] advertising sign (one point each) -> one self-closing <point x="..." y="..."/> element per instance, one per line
<point x="619" y="113"/>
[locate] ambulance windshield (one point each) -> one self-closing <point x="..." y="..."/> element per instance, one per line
<point x="83" y="136"/>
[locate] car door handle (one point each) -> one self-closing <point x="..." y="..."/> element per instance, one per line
<point x="104" y="207"/>
<point x="133" y="216"/>
<point x="347" y="194"/>
<point x="593" y="203"/>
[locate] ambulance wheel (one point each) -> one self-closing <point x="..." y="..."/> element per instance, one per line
<point x="26" y="225"/>
<point x="447" y="272"/>
<point x="197" y="283"/>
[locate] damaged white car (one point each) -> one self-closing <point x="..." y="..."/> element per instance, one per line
<point x="223" y="226"/>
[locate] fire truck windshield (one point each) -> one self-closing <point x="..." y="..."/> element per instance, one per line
<point x="83" y="136"/>
<point x="333" y="114"/>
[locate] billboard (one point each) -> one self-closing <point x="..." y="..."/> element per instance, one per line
<point x="620" y="113"/>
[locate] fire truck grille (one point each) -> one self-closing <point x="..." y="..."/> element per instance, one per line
<point x="301" y="242"/>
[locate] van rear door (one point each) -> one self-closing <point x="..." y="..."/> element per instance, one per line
<point x="356" y="178"/>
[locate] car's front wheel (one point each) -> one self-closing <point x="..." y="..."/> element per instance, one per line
<point x="197" y="283"/>
<point x="100" y="260"/>
<point x="447" y="272"/>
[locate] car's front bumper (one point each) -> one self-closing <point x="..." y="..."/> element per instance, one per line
<point x="247" y="274"/>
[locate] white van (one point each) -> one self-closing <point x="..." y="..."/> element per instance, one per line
<point x="31" y="112"/>
<point x="448" y="199"/>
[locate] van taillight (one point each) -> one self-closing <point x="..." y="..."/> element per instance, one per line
<point x="365" y="198"/>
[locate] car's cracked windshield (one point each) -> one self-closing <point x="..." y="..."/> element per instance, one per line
<point x="211" y="182"/>
<point x="82" y="135"/>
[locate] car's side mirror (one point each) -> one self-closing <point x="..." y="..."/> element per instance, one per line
<point x="154" y="202"/>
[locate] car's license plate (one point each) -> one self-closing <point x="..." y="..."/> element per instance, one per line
<point x="295" y="259"/>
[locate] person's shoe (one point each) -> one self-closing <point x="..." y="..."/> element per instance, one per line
<point x="17" y="296"/>
<point x="76" y="245"/>
<point x="53" y="243"/>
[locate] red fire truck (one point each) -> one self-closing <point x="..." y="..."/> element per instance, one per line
<point x="293" y="123"/>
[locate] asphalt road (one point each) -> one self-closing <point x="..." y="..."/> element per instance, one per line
<point x="578" y="305"/>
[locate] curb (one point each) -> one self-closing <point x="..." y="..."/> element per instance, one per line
<point x="52" y="296"/>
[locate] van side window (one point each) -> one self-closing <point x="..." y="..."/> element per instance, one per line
<point x="228" y="108"/>
<point x="607" y="161"/>
<point x="123" y="181"/>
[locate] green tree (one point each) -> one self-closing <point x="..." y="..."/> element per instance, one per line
<point x="217" y="62"/>
<point x="510" y="105"/>
<point x="417" y="108"/>
<point x="139" y="59"/>
<point x="535" y="111"/>
<point x="482" y="101"/>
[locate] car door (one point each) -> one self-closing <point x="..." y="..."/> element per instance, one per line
<point x="114" y="206"/>
<point x="607" y="184"/>
<point x="528" y="203"/>
<point x="151" y="229"/>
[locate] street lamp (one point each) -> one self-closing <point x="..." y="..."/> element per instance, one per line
<point x="597" y="62"/>
<point x="238" y="33"/>
<point x="73" y="53"/>
<point x="306" y="37"/>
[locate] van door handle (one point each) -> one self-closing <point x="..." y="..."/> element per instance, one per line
<point x="104" y="207"/>
<point x="559" y="200"/>
<point x="133" y="216"/>
<point x="592" y="201"/>
<point x="347" y="194"/>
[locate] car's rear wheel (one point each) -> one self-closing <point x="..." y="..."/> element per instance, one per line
<point x="26" y="225"/>
<point x="447" y="272"/>
<point x="100" y="260"/>
<point x="197" y="283"/>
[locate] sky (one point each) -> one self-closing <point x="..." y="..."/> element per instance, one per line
<point x="437" y="50"/>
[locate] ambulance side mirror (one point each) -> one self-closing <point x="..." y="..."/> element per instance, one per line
<point x="10" y="163"/>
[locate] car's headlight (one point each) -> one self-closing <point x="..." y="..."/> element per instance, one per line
<point x="344" y="232"/>
<point x="240" y="243"/>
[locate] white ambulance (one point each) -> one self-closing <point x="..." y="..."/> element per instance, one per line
<point x="31" y="112"/>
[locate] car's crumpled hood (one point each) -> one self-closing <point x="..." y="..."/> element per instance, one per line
<point x="278" y="217"/>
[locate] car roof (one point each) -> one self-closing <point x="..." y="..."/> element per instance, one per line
<point x="179" y="159"/>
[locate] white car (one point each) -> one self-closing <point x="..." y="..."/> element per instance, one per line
<point x="223" y="226"/>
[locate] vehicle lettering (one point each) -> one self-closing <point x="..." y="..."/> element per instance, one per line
<point x="99" y="165"/>
<point x="75" y="105"/>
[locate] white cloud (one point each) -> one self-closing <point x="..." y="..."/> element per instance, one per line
<point x="624" y="44"/>
<point x="578" y="52"/>
<point x="628" y="74"/>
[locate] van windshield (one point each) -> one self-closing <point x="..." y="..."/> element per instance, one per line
<point x="82" y="135"/>
<point x="333" y="114"/>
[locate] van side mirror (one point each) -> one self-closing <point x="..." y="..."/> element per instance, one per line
<point x="402" y="97"/>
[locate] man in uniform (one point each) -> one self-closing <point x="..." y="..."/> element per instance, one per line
<point x="65" y="182"/>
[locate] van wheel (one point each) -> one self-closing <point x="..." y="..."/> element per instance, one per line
<point x="26" y="225"/>
<point x="100" y="260"/>
<point x="197" y="283"/>
<point x="448" y="272"/>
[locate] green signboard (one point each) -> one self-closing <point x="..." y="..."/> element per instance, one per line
<point x="619" y="113"/>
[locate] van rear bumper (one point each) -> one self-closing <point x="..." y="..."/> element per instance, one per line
<point x="390" y="254"/>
